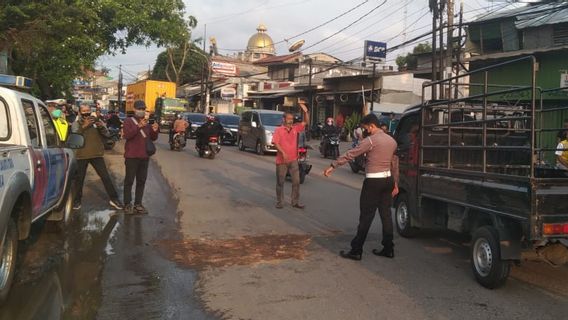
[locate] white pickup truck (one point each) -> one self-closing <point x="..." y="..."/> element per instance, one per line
<point x="36" y="171"/>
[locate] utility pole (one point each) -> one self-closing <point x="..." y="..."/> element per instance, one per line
<point x="434" y="60"/>
<point x="202" y="100"/>
<point x="450" y="48"/>
<point x="459" y="53"/>
<point x="373" y="86"/>
<point x="119" y="88"/>
<point x="311" y="92"/>
<point x="441" y="65"/>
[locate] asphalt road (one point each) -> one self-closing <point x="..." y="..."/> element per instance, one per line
<point x="214" y="247"/>
<point x="257" y="262"/>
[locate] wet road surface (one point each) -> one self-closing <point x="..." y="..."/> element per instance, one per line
<point x="105" y="264"/>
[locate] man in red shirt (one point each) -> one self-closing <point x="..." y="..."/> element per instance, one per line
<point x="285" y="140"/>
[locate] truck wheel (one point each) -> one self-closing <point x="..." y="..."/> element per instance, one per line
<point x="402" y="218"/>
<point x="241" y="144"/>
<point x="488" y="268"/>
<point x="259" y="149"/>
<point x="8" y="259"/>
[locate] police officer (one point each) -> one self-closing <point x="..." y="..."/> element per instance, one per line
<point x="379" y="186"/>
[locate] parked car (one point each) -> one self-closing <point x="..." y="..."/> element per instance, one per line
<point x="195" y="120"/>
<point x="256" y="129"/>
<point x="230" y="123"/>
<point x="36" y="171"/>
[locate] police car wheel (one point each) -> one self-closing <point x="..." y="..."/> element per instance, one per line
<point x="8" y="259"/>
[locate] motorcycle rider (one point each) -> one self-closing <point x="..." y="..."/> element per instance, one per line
<point x="179" y="126"/>
<point x="329" y="129"/>
<point x="210" y="128"/>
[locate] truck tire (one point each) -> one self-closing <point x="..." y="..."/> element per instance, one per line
<point x="489" y="270"/>
<point x="402" y="218"/>
<point x="241" y="144"/>
<point x="67" y="210"/>
<point x="8" y="259"/>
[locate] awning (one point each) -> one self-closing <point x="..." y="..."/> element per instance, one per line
<point x="386" y="107"/>
<point x="345" y="91"/>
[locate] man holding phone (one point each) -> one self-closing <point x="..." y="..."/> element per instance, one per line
<point x="95" y="133"/>
<point x="137" y="131"/>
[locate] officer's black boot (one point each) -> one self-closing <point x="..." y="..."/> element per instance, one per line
<point x="388" y="248"/>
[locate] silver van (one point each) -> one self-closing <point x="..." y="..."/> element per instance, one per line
<point x="256" y="129"/>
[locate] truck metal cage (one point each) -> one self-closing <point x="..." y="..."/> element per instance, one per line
<point x="490" y="130"/>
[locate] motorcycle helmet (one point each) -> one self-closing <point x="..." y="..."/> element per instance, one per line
<point x="329" y="121"/>
<point x="178" y="116"/>
<point x="210" y="118"/>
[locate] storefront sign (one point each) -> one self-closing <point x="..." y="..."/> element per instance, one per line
<point x="564" y="80"/>
<point x="375" y="51"/>
<point x="224" y="68"/>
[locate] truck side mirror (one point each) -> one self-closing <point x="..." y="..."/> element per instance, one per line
<point x="254" y="124"/>
<point x="75" y="141"/>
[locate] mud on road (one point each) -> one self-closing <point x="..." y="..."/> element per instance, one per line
<point x="104" y="264"/>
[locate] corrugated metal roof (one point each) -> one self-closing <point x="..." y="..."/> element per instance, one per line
<point x="531" y="16"/>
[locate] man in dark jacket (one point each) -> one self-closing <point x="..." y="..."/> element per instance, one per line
<point x="137" y="131"/>
<point x="210" y="128"/>
<point x="94" y="132"/>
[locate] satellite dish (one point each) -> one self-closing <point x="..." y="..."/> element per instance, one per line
<point x="296" y="45"/>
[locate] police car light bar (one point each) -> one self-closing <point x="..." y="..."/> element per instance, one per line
<point x="15" y="81"/>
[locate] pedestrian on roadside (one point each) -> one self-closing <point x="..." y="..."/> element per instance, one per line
<point x="94" y="133"/>
<point x="139" y="135"/>
<point x="61" y="125"/>
<point x="285" y="140"/>
<point x="379" y="187"/>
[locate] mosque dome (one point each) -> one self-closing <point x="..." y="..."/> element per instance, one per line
<point x="261" y="42"/>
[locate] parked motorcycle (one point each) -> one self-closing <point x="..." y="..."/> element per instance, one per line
<point x="210" y="149"/>
<point x="178" y="141"/>
<point x="114" y="136"/>
<point x="358" y="164"/>
<point x="329" y="146"/>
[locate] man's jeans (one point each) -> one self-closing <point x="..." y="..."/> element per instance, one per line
<point x="281" y="170"/>
<point x="136" y="169"/>
<point x="101" y="169"/>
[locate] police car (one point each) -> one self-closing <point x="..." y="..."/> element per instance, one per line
<point x="36" y="171"/>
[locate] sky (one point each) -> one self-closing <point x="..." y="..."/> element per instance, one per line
<point x="233" y="22"/>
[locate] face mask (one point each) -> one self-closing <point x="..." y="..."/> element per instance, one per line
<point x="140" y="113"/>
<point x="85" y="115"/>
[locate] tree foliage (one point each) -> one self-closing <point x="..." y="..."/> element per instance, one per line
<point x="409" y="61"/>
<point x="188" y="71"/>
<point x="55" y="41"/>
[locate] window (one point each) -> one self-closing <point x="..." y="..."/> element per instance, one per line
<point x="4" y="123"/>
<point x="246" y="117"/>
<point x="407" y="132"/>
<point x="255" y="118"/>
<point x="560" y="34"/>
<point x="31" y="121"/>
<point x="51" y="139"/>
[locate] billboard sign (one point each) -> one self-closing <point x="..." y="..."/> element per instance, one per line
<point x="375" y="51"/>
<point x="224" y="68"/>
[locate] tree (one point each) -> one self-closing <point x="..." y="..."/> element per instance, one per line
<point x="409" y="61"/>
<point x="189" y="70"/>
<point x="53" y="42"/>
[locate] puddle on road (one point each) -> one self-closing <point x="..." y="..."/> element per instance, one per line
<point x="201" y="253"/>
<point x="60" y="272"/>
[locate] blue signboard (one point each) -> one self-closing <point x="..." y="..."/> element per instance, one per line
<point x="375" y="50"/>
